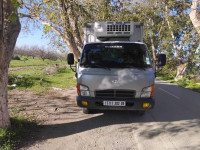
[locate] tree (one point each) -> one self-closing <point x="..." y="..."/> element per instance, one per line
<point x="167" y="26"/>
<point x="183" y="37"/>
<point x="150" y="13"/>
<point x="63" y="17"/>
<point x="9" y="30"/>
<point x="195" y="15"/>
<point x="168" y="29"/>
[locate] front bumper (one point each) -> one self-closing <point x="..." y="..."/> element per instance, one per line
<point x="131" y="104"/>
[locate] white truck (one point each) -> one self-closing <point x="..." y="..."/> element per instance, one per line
<point x="115" y="68"/>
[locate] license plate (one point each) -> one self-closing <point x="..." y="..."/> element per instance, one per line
<point x="114" y="103"/>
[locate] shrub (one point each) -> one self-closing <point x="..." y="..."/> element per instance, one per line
<point x="20" y="127"/>
<point x="63" y="70"/>
<point x="183" y="82"/>
<point x="11" y="79"/>
<point x="20" y="81"/>
<point x="16" y="58"/>
<point x="25" y="82"/>
<point x="190" y="76"/>
<point x="165" y="76"/>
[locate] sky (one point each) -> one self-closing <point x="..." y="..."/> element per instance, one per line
<point x="32" y="39"/>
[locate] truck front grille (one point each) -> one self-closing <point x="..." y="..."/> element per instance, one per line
<point x="115" y="93"/>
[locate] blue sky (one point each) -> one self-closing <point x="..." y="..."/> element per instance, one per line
<point x="32" y="39"/>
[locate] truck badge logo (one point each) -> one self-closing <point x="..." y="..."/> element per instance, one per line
<point x="115" y="81"/>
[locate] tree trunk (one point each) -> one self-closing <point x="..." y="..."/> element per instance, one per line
<point x="9" y="31"/>
<point x="73" y="47"/>
<point x="180" y="71"/>
<point x="74" y="23"/>
<point x="4" y="115"/>
<point x="194" y="15"/>
<point x="153" y="52"/>
<point x="68" y="28"/>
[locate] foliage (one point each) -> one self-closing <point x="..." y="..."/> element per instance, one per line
<point x="13" y="16"/>
<point x="166" y="77"/>
<point x="24" y="81"/>
<point x="16" y="58"/>
<point x="35" y="51"/>
<point x="41" y="77"/>
<point x="63" y="70"/>
<point x="167" y="26"/>
<point x="190" y="84"/>
<point x="20" y="128"/>
<point x="34" y="62"/>
<point x="15" y="3"/>
<point x="184" y="82"/>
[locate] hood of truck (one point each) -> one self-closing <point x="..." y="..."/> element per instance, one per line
<point x="126" y="79"/>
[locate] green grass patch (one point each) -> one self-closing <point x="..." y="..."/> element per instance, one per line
<point x="189" y="84"/>
<point x="29" y="61"/>
<point x="166" y="77"/>
<point x="39" y="79"/>
<point x="20" y="128"/>
<point x="38" y="75"/>
<point x="184" y="82"/>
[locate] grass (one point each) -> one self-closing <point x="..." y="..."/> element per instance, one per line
<point x="20" y="128"/>
<point x="37" y="80"/>
<point x="184" y="82"/>
<point x="41" y="76"/>
<point x="189" y="84"/>
<point x="166" y="77"/>
<point x="38" y="76"/>
<point x="29" y="61"/>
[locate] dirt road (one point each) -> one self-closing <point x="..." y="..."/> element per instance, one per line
<point x="173" y="124"/>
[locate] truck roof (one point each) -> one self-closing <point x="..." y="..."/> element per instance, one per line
<point x="115" y="42"/>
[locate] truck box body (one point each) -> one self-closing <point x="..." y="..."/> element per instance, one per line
<point x="115" y="68"/>
<point x="113" y="31"/>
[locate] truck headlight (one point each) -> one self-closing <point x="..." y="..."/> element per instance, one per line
<point x="85" y="93"/>
<point x="83" y="90"/>
<point x="148" y="92"/>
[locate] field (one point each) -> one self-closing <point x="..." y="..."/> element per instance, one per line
<point x="29" y="77"/>
<point x="41" y="91"/>
<point x="29" y="61"/>
<point x="38" y="76"/>
<point x="184" y="82"/>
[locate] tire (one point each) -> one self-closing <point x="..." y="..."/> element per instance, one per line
<point x="141" y="112"/>
<point x="86" y="111"/>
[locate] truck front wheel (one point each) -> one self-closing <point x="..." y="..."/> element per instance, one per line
<point x="86" y="111"/>
<point x="141" y="112"/>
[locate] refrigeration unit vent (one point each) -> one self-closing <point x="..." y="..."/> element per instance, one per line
<point x="114" y="29"/>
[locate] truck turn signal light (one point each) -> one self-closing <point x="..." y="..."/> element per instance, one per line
<point x="145" y="105"/>
<point x="152" y="90"/>
<point x="84" y="103"/>
<point x="78" y="89"/>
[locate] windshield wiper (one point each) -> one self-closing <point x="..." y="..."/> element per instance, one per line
<point x="139" y="66"/>
<point x="110" y="65"/>
<point x="96" y="66"/>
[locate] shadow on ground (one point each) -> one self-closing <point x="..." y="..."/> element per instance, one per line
<point x="176" y="113"/>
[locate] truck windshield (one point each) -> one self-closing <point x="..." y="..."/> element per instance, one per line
<point x="115" y="55"/>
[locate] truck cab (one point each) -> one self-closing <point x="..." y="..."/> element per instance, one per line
<point x="115" y="70"/>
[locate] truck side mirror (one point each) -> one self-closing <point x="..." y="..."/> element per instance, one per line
<point x="70" y="58"/>
<point x="161" y="60"/>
